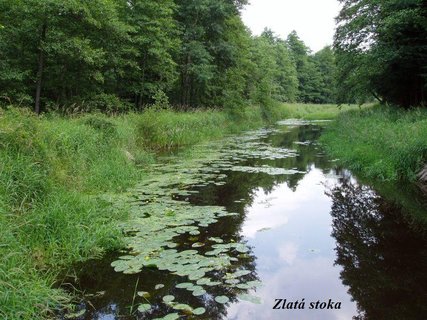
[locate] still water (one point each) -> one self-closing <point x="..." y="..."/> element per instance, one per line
<point x="261" y="220"/>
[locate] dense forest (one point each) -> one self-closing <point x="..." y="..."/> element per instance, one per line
<point x="113" y="54"/>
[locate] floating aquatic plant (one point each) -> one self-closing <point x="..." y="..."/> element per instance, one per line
<point x="162" y="214"/>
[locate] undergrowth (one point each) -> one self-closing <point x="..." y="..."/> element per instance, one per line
<point x="381" y="142"/>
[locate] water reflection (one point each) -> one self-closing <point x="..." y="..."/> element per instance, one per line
<point x="289" y="229"/>
<point x="384" y="256"/>
<point x="372" y="256"/>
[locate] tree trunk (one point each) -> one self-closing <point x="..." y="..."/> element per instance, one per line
<point x="381" y="101"/>
<point x="40" y="69"/>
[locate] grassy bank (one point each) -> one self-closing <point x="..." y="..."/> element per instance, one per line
<point x="315" y="111"/>
<point x="381" y="142"/>
<point x="56" y="174"/>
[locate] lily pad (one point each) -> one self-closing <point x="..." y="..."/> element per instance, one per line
<point x="182" y="306"/>
<point x="144" y="307"/>
<point x="170" y="316"/>
<point x="184" y="285"/>
<point x="198" y="293"/>
<point x="197" y="245"/>
<point x="168" y="299"/>
<point x="217" y="240"/>
<point x="222" y="299"/>
<point x="241" y="273"/>
<point x="199" y="311"/>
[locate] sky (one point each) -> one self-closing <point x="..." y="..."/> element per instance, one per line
<point x="313" y="20"/>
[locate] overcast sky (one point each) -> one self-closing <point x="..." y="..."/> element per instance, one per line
<point x="312" y="19"/>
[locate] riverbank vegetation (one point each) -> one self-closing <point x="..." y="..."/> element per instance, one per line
<point x="380" y="142"/>
<point x="58" y="176"/>
<point x="381" y="51"/>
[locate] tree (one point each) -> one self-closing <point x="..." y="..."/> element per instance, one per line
<point x="381" y="49"/>
<point x="155" y="41"/>
<point x="309" y="77"/>
<point x="286" y="77"/>
<point x="67" y="49"/>
<point x="325" y="64"/>
<point x="206" y="52"/>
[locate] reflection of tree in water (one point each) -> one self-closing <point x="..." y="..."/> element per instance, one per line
<point x="384" y="258"/>
<point x="241" y="186"/>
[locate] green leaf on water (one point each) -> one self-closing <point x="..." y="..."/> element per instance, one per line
<point x="170" y="316"/>
<point x="184" y="285"/>
<point x="144" y="307"/>
<point x="203" y="281"/>
<point x="196" y="275"/>
<point x="222" y="299"/>
<point x="194" y="288"/>
<point x="197" y="245"/>
<point x="182" y="306"/>
<point x="241" y="273"/>
<point x="199" y="311"/>
<point x="159" y="286"/>
<point x="168" y="299"/>
<point x="198" y="293"/>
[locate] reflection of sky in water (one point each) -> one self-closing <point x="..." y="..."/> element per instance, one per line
<point x="290" y="235"/>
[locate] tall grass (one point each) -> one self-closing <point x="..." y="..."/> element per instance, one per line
<point x="55" y="173"/>
<point x="315" y="111"/>
<point x="381" y="142"/>
<point x="167" y="129"/>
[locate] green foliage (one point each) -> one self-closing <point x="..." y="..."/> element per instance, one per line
<point x="117" y="56"/>
<point x="49" y="168"/>
<point x="382" y="51"/>
<point x="314" y="111"/>
<point x="155" y="42"/>
<point x="380" y="142"/>
<point x="70" y="59"/>
<point x="326" y="66"/>
<point x="309" y="74"/>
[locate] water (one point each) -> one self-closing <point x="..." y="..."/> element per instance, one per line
<point x="314" y="234"/>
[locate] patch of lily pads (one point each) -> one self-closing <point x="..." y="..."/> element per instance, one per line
<point x="162" y="214"/>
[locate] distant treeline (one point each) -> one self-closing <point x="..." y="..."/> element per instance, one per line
<point x="109" y="55"/>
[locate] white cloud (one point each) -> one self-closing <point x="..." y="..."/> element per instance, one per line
<point x="314" y="20"/>
<point x="288" y="252"/>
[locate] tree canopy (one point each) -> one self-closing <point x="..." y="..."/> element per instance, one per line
<point x="113" y="55"/>
<point x="381" y="49"/>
